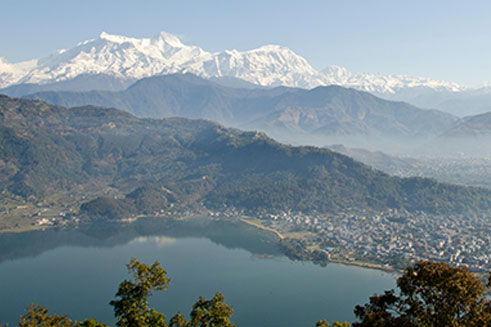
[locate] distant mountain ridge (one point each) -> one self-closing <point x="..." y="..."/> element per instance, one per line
<point x="478" y="125"/>
<point x="48" y="149"/>
<point x="386" y="84"/>
<point x="122" y="58"/>
<point x="286" y="113"/>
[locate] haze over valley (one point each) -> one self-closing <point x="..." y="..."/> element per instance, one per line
<point x="280" y="161"/>
<point x="269" y="89"/>
<point x="195" y="166"/>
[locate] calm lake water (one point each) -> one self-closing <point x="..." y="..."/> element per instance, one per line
<point x="77" y="272"/>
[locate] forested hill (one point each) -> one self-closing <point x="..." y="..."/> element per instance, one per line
<point x="181" y="162"/>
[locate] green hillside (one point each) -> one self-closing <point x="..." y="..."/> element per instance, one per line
<point x="155" y="163"/>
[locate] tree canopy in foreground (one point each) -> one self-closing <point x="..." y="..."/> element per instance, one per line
<point x="430" y="295"/>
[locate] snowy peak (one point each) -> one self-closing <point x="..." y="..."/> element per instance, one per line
<point x="161" y="39"/>
<point x="128" y="58"/>
<point x="336" y="71"/>
<point x="384" y="84"/>
<point x="12" y="73"/>
<point x="132" y="58"/>
<point x="114" y="38"/>
<point x="169" y="39"/>
<point x="116" y="56"/>
<point x="269" y="65"/>
<point x="271" y="48"/>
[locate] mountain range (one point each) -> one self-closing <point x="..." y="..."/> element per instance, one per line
<point x="472" y="126"/>
<point x="48" y="150"/>
<point x="323" y="115"/>
<point x="120" y="59"/>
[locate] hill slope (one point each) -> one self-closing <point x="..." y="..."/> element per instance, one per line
<point x="47" y="149"/>
<point x="471" y="136"/>
<point x="478" y="125"/>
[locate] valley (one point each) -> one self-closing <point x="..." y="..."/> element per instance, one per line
<point x="240" y="164"/>
<point x="458" y="169"/>
<point x="315" y="198"/>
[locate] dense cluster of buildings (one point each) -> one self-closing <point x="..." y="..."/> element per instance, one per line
<point x="395" y="238"/>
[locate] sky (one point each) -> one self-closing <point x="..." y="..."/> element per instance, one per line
<point x="448" y="40"/>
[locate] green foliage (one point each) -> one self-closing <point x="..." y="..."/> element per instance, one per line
<point x="431" y="295"/>
<point x="178" y="321"/>
<point x="206" y="313"/>
<point x="108" y="208"/>
<point x="211" y="313"/>
<point x="38" y="316"/>
<point x="295" y="249"/>
<point x="324" y="323"/>
<point x="193" y="162"/>
<point x="150" y="198"/>
<point x="91" y="323"/>
<point x="144" y="200"/>
<point x="131" y="308"/>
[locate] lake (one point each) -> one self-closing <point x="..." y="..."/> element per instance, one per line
<point x="77" y="272"/>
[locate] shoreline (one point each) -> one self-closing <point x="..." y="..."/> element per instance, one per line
<point x="259" y="226"/>
<point x="341" y="262"/>
<point x="367" y="266"/>
<point x="242" y="219"/>
<point x="245" y="220"/>
<point x="25" y="230"/>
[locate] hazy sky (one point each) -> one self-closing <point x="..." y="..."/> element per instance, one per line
<point x="448" y="40"/>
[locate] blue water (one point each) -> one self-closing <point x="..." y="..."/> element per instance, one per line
<point x="77" y="272"/>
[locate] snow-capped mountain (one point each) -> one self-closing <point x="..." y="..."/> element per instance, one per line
<point x="125" y="57"/>
<point x="117" y="56"/>
<point x="270" y="65"/>
<point x="131" y="58"/>
<point x="384" y="84"/>
<point x="12" y="73"/>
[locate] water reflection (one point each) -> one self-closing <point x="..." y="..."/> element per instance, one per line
<point x="159" y="241"/>
<point x="162" y="232"/>
<point x="79" y="271"/>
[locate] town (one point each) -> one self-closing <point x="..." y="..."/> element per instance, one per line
<point x="393" y="238"/>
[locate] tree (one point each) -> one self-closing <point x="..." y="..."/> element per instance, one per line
<point x="38" y="316"/>
<point x="211" y="313"/>
<point x="324" y="323"/>
<point x="132" y="309"/>
<point x="431" y="295"/>
<point x="91" y="323"/>
<point x="206" y="313"/>
<point x="178" y="321"/>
